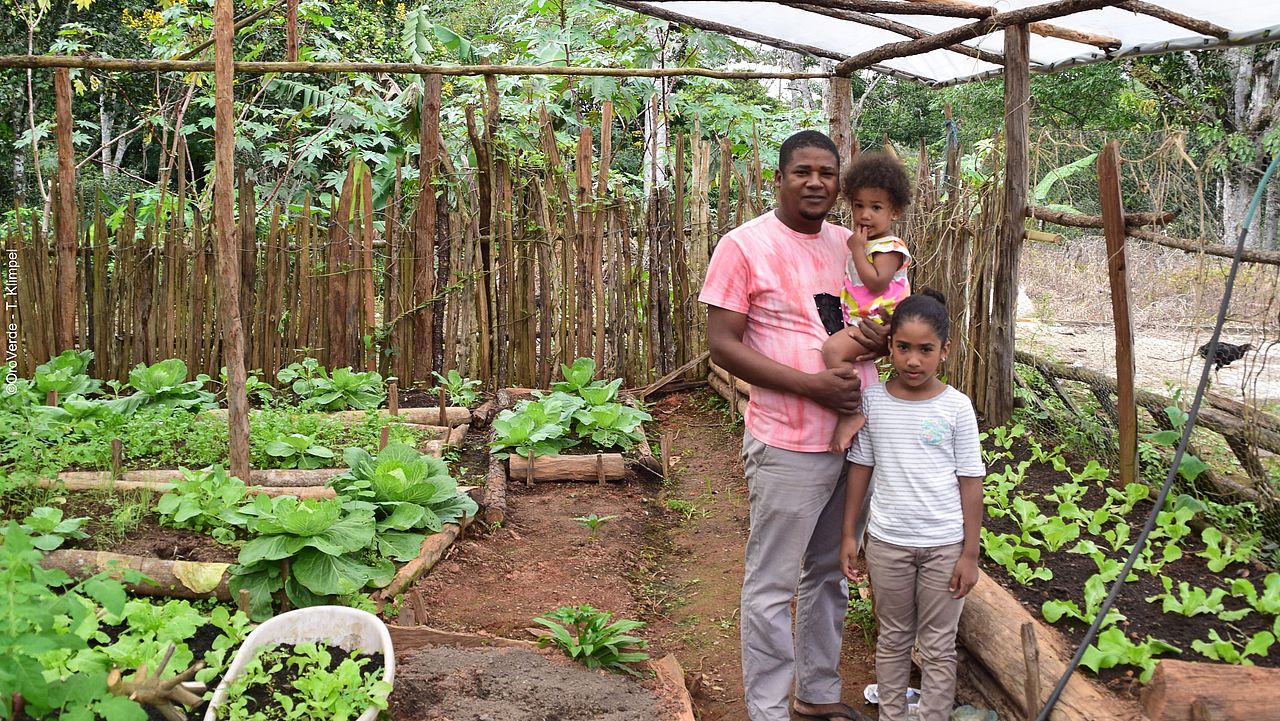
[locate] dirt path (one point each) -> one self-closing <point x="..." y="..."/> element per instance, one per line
<point x="672" y="558"/>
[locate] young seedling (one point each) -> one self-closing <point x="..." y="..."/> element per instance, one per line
<point x="593" y="522"/>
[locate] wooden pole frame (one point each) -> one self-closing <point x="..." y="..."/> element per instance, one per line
<point x="1017" y="97"/>
<point x="64" y="311"/>
<point x="228" y="255"/>
<point x="1118" y="275"/>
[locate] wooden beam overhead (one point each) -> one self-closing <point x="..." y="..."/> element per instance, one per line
<point x="938" y="8"/>
<point x="968" y="32"/>
<point x="894" y="26"/>
<point x="146" y="65"/>
<point x="1046" y="30"/>
<point x="659" y="12"/>
<point x="1203" y="27"/>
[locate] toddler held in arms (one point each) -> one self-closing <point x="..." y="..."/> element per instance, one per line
<point x="878" y="190"/>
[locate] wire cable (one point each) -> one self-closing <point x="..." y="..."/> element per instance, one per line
<point x="1159" y="502"/>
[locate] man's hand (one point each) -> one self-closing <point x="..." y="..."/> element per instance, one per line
<point x="873" y="337"/>
<point x="839" y="389"/>
<point x="964" y="576"/>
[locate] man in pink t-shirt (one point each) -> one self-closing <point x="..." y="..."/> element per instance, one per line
<point x="763" y="327"/>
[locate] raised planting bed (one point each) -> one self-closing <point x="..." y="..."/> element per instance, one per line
<point x="443" y="674"/>
<point x="1056" y="534"/>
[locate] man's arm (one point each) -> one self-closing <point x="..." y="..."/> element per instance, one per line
<point x="837" y="389"/>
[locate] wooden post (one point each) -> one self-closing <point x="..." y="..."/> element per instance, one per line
<point x="393" y="397"/>
<point x="600" y="468"/>
<point x="117" y="458"/>
<point x="228" y="259"/>
<point x="1113" y="227"/>
<point x="444" y="404"/>
<point x="1031" y="658"/>
<point x="1017" y="96"/>
<point x="839" y="105"/>
<point x="382" y="439"/>
<point x="291" y="33"/>
<point x="424" y="231"/>
<point x="64" y="312"/>
<point x="664" y="445"/>
<point x="51" y="398"/>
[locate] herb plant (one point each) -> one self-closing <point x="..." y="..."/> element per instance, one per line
<point x="296" y="450"/>
<point x="593" y="522"/>
<point x="321" y="690"/>
<point x="49" y="529"/>
<point x="585" y="634"/>
<point x="317" y="389"/>
<point x="461" y="390"/>
<point x="204" y="501"/>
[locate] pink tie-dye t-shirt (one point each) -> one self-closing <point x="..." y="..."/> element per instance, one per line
<point x="770" y="273"/>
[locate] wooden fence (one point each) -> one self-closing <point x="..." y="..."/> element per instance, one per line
<point x="512" y="269"/>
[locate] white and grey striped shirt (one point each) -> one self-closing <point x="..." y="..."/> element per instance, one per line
<point x="917" y="449"/>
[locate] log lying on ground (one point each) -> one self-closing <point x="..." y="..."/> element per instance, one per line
<point x="457" y="435"/>
<point x="670" y="674"/>
<point x="990" y="630"/>
<point x="454" y="415"/>
<point x="495" y="489"/>
<point x="174" y="579"/>
<point x="644" y="453"/>
<point x="103" y="482"/>
<point x="1229" y="692"/>
<point x="266" y="477"/>
<point x="571" y="468"/>
<point x="433" y="549"/>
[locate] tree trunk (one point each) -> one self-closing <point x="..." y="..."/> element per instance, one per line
<point x="105" y="123"/>
<point x="655" y="137"/>
<point x="1252" y="112"/>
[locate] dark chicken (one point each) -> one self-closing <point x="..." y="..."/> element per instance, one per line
<point x="1226" y="354"/>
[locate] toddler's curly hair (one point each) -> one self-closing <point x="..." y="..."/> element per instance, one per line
<point x="874" y="169"/>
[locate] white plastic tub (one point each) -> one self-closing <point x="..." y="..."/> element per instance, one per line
<point x="347" y="628"/>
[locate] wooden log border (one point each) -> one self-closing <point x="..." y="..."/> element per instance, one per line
<point x="175" y="579"/>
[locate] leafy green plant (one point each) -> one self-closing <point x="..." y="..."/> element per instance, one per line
<point x="579" y="376"/>
<point x="1057" y="532"/>
<point x="1007" y="550"/>
<point x="296" y="450"/>
<point x="345" y="388"/>
<point x="321" y="688"/>
<point x="610" y="425"/>
<point x="1113" y="648"/>
<point x="688" y="509"/>
<point x="67" y="374"/>
<point x="460" y="389"/>
<point x="206" y="501"/>
<point x="320" y="540"/>
<point x="539" y="427"/>
<point x="1268" y="601"/>
<point x="585" y="634"/>
<point x="1095" y="592"/>
<point x="49" y="529"/>
<point x="165" y="385"/>
<point x="593" y="522"/>
<point x="42" y="612"/>
<point x="1222" y="551"/>
<point x="1229" y="651"/>
<point x="1192" y="600"/>
<point x="254" y="387"/>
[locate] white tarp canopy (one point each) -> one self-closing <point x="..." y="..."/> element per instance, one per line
<point x="839" y="29"/>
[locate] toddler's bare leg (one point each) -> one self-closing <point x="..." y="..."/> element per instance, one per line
<point x="840" y="350"/>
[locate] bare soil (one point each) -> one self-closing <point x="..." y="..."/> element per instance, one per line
<point x="482" y="684"/>
<point x="680" y="571"/>
<point x="147" y="539"/>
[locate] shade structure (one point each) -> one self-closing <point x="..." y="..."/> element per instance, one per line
<point x="843" y="29"/>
